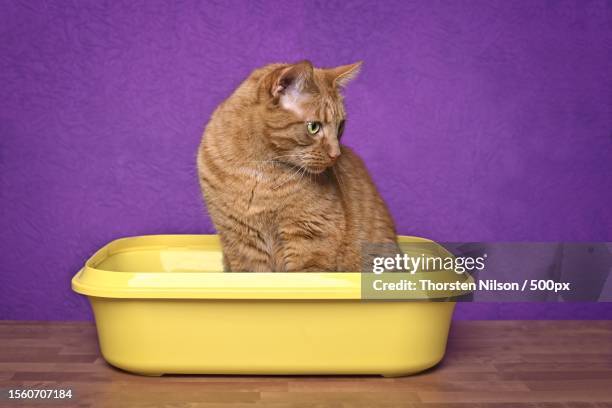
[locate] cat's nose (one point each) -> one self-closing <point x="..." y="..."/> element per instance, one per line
<point x="334" y="152"/>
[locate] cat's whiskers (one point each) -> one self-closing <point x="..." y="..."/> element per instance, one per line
<point x="289" y="197"/>
<point x="291" y="176"/>
<point x="285" y="179"/>
<point x="274" y="159"/>
<point x="303" y="173"/>
<point x="255" y="168"/>
<point x="340" y="183"/>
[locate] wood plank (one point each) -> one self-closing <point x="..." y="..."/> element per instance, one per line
<point x="536" y="364"/>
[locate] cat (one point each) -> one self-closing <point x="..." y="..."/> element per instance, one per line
<point x="283" y="193"/>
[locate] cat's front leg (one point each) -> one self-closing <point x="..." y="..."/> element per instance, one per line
<point x="303" y="252"/>
<point x="243" y="253"/>
<point x="305" y="258"/>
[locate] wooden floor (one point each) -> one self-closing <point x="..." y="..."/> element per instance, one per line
<point x="488" y="364"/>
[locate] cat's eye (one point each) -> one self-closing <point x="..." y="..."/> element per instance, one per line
<point x="313" y="127"/>
<point x="340" y="129"/>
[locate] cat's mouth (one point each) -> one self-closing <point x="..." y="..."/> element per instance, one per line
<point x="310" y="168"/>
<point x="318" y="169"/>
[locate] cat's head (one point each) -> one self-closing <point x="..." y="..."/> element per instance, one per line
<point x="305" y="116"/>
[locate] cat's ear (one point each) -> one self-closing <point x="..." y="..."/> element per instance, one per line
<point x="293" y="79"/>
<point x="342" y="75"/>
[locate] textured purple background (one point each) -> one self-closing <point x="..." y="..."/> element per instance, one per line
<point x="480" y="120"/>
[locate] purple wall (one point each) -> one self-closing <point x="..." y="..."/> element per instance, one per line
<point x="481" y="120"/>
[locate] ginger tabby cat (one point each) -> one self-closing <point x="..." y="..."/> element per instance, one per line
<point x="282" y="192"/>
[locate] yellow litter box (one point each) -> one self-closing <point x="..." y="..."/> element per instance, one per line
<point x="162" y="307"/>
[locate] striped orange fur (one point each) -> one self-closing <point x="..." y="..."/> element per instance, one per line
<point x="282" y="197"/>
